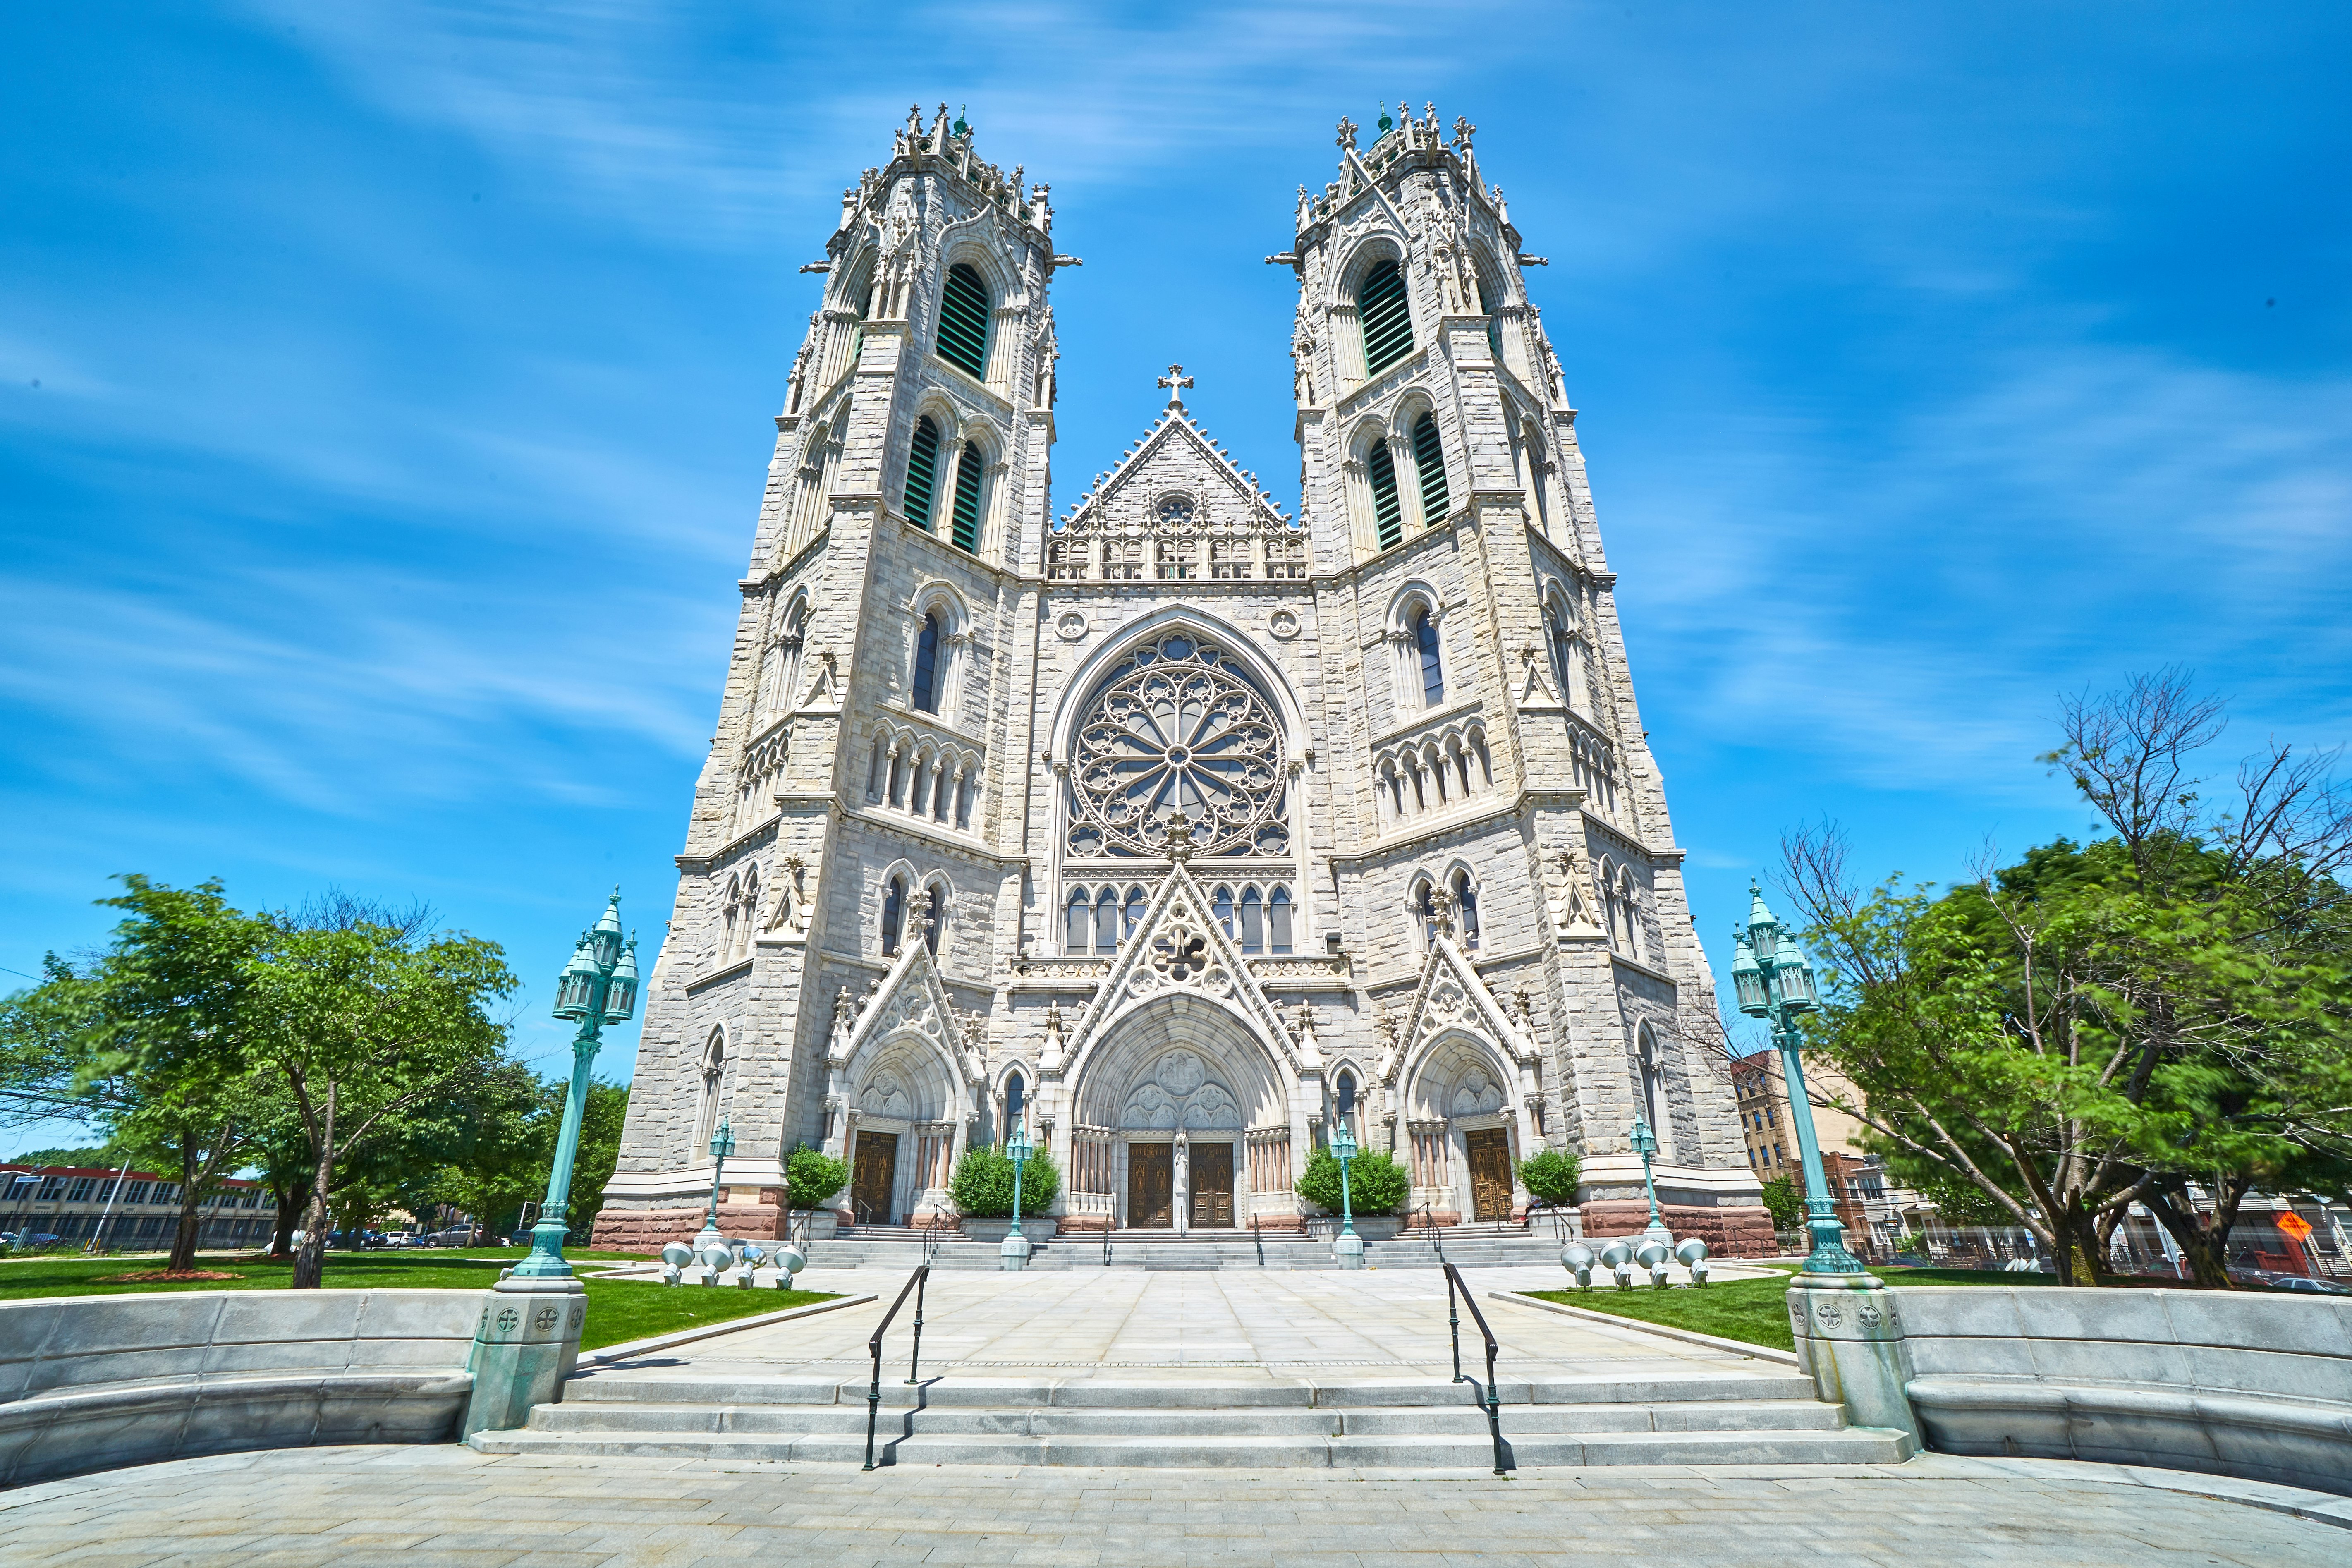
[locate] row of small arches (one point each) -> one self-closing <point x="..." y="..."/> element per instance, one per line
<point x="923" y="777"/>
<point x="1260" y="921"/>
<point x="1433" y="774"/>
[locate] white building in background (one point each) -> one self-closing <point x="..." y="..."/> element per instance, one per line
<point x="1175" y="823"/>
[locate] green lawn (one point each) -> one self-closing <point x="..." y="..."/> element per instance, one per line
<point x="1751" y="1310"/>
<point x="619" y="1310"/>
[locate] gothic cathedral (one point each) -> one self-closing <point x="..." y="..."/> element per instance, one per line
<point x="1174" y="827"/>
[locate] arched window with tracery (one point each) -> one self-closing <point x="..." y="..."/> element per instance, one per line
<point x="1078" y="930"/>
<point x="1386" y="316"/>
<point x="1422" y="906"/>
<point x="894" y="915"/>
<point x="1016" y="1097"/>
<point x="927" y="664"/>
<point x="1466" y="899"/>
<point x="938" y="918"/>
<point x="714" y="1074"/>
<point x="1433" y="664"/>
<point x="1177" y="727"/>
<point x="750" y="923"/>
<point x="1344" y="1092"/>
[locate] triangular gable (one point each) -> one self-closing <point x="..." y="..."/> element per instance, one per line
<point x="1202" y="959"/>
<point x="909" y="997"/>
<point x="1175" y="441"/>
<point x="1451" y="995"/>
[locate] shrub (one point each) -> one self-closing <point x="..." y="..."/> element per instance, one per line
<point x="982" y="1184"/>
<point x="1788" y="1210"/>
<point x="811" y="1176"/>
<point x="1551" y="1176"/>
<point x="1377" y="1185"/>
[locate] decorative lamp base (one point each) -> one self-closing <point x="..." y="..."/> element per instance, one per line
<point x="1014" y="1252"/>
<point x="1348" y="1249"/>
<point x="526" y="1343"/>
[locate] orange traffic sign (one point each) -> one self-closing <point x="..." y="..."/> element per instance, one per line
<point x="2295" y="1226"/>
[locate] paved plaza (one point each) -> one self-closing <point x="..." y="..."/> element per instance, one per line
<point x="443" y="1507"/>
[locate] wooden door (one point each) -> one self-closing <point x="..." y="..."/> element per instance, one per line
<point x="873" y="1177"/>
<point x="1151" y="1186"/>
<point x="1212" y="1186"/>
<point x="1490" y="1173"/>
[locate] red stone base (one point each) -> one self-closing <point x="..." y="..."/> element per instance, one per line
<point x="1744" y="1231"/>
<point x="1089" y="1223"/>
<point x="647" y="1230"/>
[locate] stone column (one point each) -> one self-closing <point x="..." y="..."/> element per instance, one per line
<point x="1850" y="1339"/>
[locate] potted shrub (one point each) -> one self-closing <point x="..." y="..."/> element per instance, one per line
<point x="982" y="1188"/>
<point x="812" y="1176"/>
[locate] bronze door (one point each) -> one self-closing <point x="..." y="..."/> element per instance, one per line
<point x="1212" y="1186"/>
<point x="1490" y="1173"/>
<point x="1151" y="1186"/>
<point x="874" y="1176"/>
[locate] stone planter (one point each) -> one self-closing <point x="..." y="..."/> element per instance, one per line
<point x="1035" y="1226"/>
<point x="821" y="1222"/>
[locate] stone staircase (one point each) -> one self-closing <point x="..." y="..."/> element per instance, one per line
<point x="1466" y="1246"/>
<point x="1175" y="1421"/>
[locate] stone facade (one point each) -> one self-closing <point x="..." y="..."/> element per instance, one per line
<point x="1181" y="825"/>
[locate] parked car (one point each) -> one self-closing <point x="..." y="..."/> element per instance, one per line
<point x="2301" y="1283"/>
<point x="30" y="1239"/>
<point x="456" y="1235"/>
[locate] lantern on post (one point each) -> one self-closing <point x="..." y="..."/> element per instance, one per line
<point x="1777" y="984"/>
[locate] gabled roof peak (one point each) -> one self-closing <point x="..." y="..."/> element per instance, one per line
<point x="1175" y="423"/>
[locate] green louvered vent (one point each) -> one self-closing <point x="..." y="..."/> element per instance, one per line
<point x="1430" y="458"/>
<point x="963" y="321"/>
<point x="966" y="533"/>
<point x="922" y="472"/>
<point x="1387" y="516"/>
<point x="1387" y="320"/>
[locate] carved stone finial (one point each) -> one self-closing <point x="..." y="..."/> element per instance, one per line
<point x="844" y="1007"/>
<point x="1179" y="838"/>
<point x="919" y="911"/>
<point x="1441" y="910"/>
<point x="1462" y="131"/>
<point x="1347" y="134"/>
<point x="1176" y="381"/>
<point x="1053" y="1018"/>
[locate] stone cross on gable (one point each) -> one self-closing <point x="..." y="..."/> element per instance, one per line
<point x="1175" y="380"/>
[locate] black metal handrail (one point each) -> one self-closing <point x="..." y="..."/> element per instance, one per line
<point x="1259" y="1239"/>
<point x="1429" y="1231"/>
<point x="1455" y="1284"/>
<point x="915" y="1282"/>
<point x="1106" y="1221"/>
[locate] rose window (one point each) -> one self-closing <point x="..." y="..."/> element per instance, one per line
<point x="1178" y="729"/>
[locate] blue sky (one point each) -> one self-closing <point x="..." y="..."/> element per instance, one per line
<point x="384" y="390"/>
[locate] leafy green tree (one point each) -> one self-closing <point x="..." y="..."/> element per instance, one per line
<point x="1784" y="1202"/>
<point x="813" y="1175"/>
<point x="2104" y="1025"/>
<point x="983" y="1182"/>
<point x="148" y="1041"/>
<point x="490" y="1145"/>
<point x="1376" y="1183"/>
<point x="366" y="1016"/>
<point x="1551" y="1174"/>
<point x="599" y="1154"/>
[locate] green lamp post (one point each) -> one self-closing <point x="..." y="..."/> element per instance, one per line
<point x="1773" y="981"/>
<point x="722" y="1144"/>
<point x="1349" y="1246"/>
<point x="1645" y="1144"/>
<point x="527" y="1340"/>
<point x="599" y="986"/>
<point x="1015" y="1251"/>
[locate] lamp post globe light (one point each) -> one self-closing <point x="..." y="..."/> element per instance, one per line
<point x="1349" y="1246"/>
<point x="1772" y="980"/>
<point x="529" y="1338"/>
<point x="1013" y="1253"/>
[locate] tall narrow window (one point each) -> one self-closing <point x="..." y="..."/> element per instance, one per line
<point x="963" y="321"/>
<point x="1424" y="914"/>
<point x="1563" y="655"/>
<point x="922" y="472"/>
<point x="1388" y="516"/>
<point x="965" y="531"/>
<point x="1465" y="897"/>
<point x="1432" y="668"/>
<point x="1016" y="1097"/>
<point x="1277" y="922"/>
<point x="1106" y="923"/>
<point x="894" y="913"/>
<point x="1079" y="933"/>
<point x="927" y="664"/>
<point x="1221" y="902"/>
<point x="1253" y="922"/>
<point x="1386" y="316"/>
<point x="1346" y="1096"/>
<point x="1135" y="908"/>
<point x="1429" y="457"/>
<point x="938" y="918"/>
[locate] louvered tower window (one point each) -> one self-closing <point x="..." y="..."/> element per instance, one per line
<point x="1388" y="517"/>
<point x="963" y="321"/>
<point x="965" y="531"/>
<point x="1387" y="320"/>
<point x="1430" y="458"/>
<point x="922" y="472"/>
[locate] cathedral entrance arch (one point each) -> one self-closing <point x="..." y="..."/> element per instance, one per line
<point x="900" y="1130"/>
<point x="1182" y="1122"/>
<point x="1465" y="1137"/>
